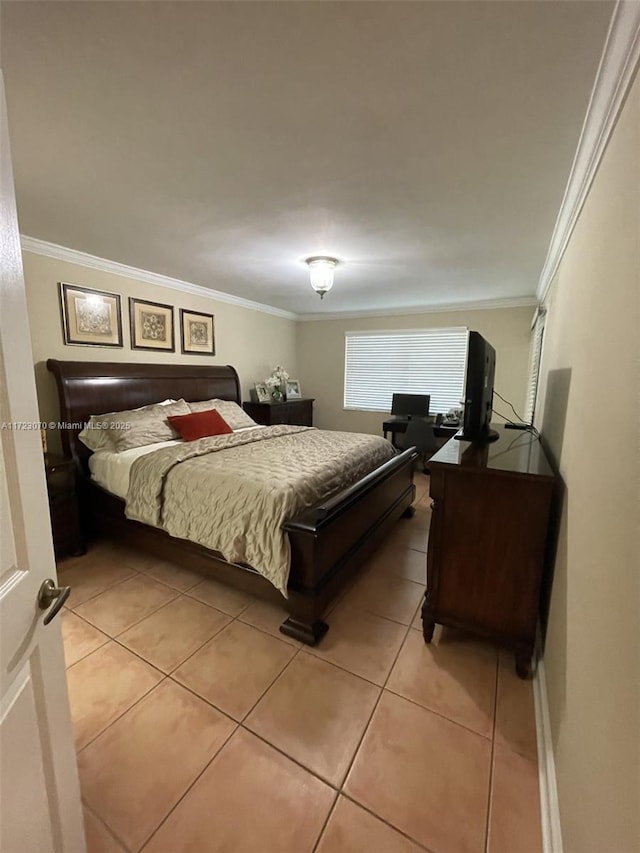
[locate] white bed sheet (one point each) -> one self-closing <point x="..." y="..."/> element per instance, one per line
<point x="111" y="470"/>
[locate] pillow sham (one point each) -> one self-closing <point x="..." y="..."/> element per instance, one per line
<point x="200" y="424"/>
<point x="96" y="435"/>
<point x="146" y="426"/>
<point x="230" y="411"/>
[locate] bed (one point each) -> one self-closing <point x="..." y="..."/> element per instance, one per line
<point x="328" y="541"/>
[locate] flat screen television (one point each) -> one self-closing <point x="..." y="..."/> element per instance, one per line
<point x="478" y="392"/>
<point x="410" y="405"/>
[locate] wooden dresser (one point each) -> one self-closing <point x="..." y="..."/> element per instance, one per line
<point x="298" y="412"/>
<point x="487" y="540"/>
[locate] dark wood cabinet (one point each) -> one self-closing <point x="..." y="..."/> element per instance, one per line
<point x="487" y="540"/>
<point x="298" y="412"/>
<point x="63" y="505"/>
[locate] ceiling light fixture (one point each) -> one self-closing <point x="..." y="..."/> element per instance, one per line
<point x="321" y="269"/>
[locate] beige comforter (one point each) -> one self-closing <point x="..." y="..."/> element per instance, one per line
<point x="231" y="493"/>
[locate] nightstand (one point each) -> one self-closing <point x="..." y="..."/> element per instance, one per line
<point x="299" y="412"/>
<point x="63" y="505"/>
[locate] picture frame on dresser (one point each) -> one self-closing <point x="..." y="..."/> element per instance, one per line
<point x="151" y="325"/>
<point x="293" y="389"/>
<point x="197" y="333"/>
<point x="90" y="318"/>
<point x="261" y="393"/>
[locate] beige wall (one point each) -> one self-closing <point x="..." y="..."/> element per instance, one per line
<point x="321" y="358"/>
<point x="252" y="341"/>
<point x="591" y="372"/>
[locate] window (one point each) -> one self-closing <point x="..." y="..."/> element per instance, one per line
<point x="421" y="361"/>
<point x="535" y="355"/>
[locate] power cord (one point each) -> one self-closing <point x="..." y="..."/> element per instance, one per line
<point x="529" y="428"/>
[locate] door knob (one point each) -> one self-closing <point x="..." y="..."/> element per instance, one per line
<point x="49" y="593"/>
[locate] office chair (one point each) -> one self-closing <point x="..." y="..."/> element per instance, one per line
<point x="420" y="435"/>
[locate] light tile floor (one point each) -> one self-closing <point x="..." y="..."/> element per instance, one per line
<point x="201" y="729"/>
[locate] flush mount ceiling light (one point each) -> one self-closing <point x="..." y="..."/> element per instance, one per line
<point x="321" y="269"/>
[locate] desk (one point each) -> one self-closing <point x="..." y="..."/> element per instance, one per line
<point x="399" y="425"/>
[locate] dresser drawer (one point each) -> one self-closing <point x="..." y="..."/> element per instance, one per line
<point x="298" y="412"/>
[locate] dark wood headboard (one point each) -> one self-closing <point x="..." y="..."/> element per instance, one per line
<point x="88" y="388"/>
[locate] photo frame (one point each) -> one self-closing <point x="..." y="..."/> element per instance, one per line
<point x="90" y="318"/>
<point x="197" y="334"/>
<point x="293" y="389"/>
<point x="263" y="394"/>
<point x="151" y="325"/>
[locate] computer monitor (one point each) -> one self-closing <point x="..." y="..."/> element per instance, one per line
<point x="410" y="405"/>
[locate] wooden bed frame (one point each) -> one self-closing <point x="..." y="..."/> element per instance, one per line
<point x="329" y="541"/>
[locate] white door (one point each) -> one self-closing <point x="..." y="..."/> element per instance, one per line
<point x="39" y="791"/>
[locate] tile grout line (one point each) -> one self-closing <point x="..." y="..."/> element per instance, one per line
<point x="374" y="613"/>
<point x="337" y="788"/>
<point x="344" y="669"/>
<point x="382" y="691"/>
<point x="178" y="665"/>
<point x="386" y="823"/>
<point x="276" y="679"/>
<point x="119" y="717"/>
<point x="236" y="618"/>
<point x="323" y="828"/>
<point x="179" y="593"/>
<point x="91" y="625"/>
<point x="122" y="646"/>
<point x="133" y="624"/>
<point x="190" y="786"/>
<point x="290" y="758"/>
<point x="237" y="725"/>
<point x="440" y="715"/>
<point x="375" y="708"/>
<point x="241" y="725"/>
<point x="98" y="594"/>
<point x="103" y="823"/>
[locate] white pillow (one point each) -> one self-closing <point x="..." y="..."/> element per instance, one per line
<point x="236" y="417"/>
<point x="96" y="434"/>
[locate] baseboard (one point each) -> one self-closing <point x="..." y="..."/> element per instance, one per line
<point x="549" y="804"/>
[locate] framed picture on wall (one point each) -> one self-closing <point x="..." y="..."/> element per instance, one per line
<point x="197" y="333"/>
<point x="90" y="318"/>
<point x="151" y="325"/>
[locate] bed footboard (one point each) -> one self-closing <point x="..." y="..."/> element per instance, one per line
<point x="330" y="541"/>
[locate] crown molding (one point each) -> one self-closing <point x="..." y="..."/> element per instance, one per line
<point x="614" y="77"/>
<point x="61" y="253"/>
<point x="478" y="305"/>
<point x="73" y="256"/>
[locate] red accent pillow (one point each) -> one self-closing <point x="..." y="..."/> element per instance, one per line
<point x="200" y="424"/>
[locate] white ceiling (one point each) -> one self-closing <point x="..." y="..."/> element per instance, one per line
<point x="427" y="145"/>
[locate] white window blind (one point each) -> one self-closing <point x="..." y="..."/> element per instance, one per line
<point x="535" y="355"/>
<point x="420" y="361"/>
